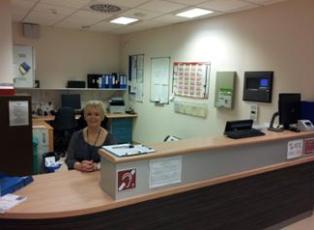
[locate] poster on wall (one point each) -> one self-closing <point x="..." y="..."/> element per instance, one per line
<point x="18" y="113"/>
<point x="136" y="76"/>
<point x="191" y="79"/>
<point x="160" y="71"/>
<point x="23" y="65"/>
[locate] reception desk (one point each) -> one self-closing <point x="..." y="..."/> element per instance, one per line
<point x="224" y="184"/>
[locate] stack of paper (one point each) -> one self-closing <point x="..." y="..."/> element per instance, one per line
<point x="125" y="150"/>
<point x="10" y="200"/>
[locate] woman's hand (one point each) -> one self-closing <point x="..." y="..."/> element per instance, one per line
<point x="85" y="166"/>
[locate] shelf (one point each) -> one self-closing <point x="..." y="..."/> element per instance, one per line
<point x="76" y="89"/>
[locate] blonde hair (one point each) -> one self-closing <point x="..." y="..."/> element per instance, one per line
<point x="99" y="105"/>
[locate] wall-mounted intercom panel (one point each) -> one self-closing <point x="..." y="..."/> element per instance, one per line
<point x="258" y="86"/>
<point x="225" y="85"/>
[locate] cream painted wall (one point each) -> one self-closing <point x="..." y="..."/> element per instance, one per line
<point x="65" y="54"/>
<point x="6" y="56"/>
<point x="278" y="37"/>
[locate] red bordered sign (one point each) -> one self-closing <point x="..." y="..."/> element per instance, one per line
<point x="126" y="179"/>
<point x="309" y="145"/>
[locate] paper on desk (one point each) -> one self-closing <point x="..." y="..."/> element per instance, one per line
<point x="124" y="150"/>
<point x="9" y="201"/>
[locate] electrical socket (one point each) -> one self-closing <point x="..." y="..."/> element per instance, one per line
<point x="254" y="112"/>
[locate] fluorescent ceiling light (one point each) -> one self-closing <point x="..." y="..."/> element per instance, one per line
<point x="123" y="20"/>
<point x="192" y="13"/>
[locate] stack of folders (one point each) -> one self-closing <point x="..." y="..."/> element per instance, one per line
<point x="112" y="81"/>
<point x="126" y="150"/>
<point x="9" y="184"/>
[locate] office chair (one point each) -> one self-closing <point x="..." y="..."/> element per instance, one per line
<point x="64" y="125"/>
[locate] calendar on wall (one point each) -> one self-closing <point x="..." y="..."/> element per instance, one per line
<point x="191" y="79"/>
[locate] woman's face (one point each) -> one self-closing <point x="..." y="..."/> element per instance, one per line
<point x="93" y="117"/>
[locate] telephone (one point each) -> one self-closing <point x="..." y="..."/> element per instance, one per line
<point x="305" y="125"/>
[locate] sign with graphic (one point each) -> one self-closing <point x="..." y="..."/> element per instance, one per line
<point x="295" y="149"/>
<point x="126" y="179"/>
<point x="309" y="145"/>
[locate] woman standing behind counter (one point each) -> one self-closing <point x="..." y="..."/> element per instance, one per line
<point x="82" y="153"/>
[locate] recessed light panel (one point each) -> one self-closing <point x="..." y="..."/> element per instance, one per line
<point x="192" y="13"/>
<point x="123" y="20"/>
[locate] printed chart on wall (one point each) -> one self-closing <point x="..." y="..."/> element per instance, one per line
<point x="190" y="79"/>
<point x="136" y="76"/>
<point x="159" y="90"/>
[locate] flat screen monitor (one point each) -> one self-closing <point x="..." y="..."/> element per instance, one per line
<point x="71" y="100"/>
<point x="289" y="106"/>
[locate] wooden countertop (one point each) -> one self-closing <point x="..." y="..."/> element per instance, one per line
<point x="43" y="118"/>
<point x="188" y="146"/>
<point x="39" y="122"/>
<point x="108" y="115"/>
<point x="120" y="115"/>
<point x="72" y="193"/>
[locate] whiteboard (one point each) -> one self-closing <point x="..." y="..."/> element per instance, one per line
<point x="160" y="73"/>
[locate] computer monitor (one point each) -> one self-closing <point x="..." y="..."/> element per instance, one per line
<point x="71" y="100"/>
<point x="289" y="106"/>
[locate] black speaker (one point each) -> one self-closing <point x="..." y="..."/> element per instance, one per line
<point x="76" y="84"/>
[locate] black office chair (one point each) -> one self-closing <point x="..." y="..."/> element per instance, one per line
<point x="64" y="125"/>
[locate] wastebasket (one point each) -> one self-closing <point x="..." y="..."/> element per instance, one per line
<point x="50" y="169"/>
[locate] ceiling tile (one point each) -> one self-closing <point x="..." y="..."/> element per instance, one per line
<point x="53" y="9"/>
<point x="69" y="3"/>
<point x="188" y="2"/>
<point x="91" y="17"/>
<point x="141" y="14"/>
<point x="169" y="18"/>
<point x="42" y="19"/>
<point x="123" y="3"/>
<point x="105" y="26"/>
<point x="264" y="2"/>
<point x="17" y="17"/>
<point x="70" y="24"/>
<point x="23" y="4"/>
<point x="226" y="5"/>
<point x="152" y="13"/>
<point x="161" y="6"/>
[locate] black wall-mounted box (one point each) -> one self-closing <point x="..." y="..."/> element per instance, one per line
<point x="258" y="86"/>
<point x="76" y="84"/>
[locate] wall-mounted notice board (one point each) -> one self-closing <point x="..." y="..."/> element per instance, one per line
<point x="160" y="80"/>
<point x="136" y="76"/>
<point x="191" y="79"/>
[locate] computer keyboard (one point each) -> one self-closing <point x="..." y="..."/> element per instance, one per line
<point x="244" y="133"/>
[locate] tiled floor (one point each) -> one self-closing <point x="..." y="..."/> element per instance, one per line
<point x="305" y="224"/>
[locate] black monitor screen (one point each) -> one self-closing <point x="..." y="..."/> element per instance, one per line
<point x="289" y="105"/>
<point x="71" y="100"/>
